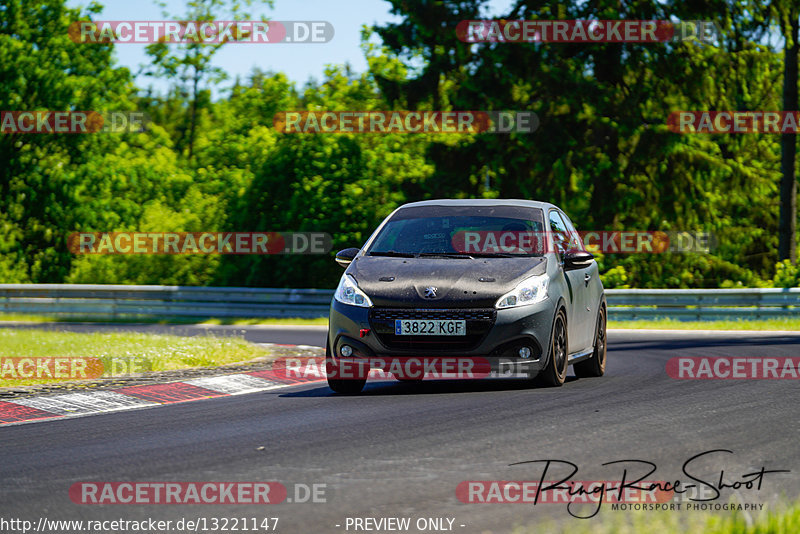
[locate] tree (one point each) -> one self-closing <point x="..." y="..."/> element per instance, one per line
<point x="341" y="184"/>
<point x="787" y="244"/>
<point x="191" y="62"/>
<point x="42" y="69"/>
<point x="603" y="150"/>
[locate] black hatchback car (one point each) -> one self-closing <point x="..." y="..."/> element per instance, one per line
<point x="504" y="281"/>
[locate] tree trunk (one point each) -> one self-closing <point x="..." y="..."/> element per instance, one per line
<point x="787" y="248"/>
<point x="193" y="118"/>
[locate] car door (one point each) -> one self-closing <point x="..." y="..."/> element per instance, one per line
<point x="580" y="332"/>
<point x="591" y="276"/>
<point x="592" y="286"/>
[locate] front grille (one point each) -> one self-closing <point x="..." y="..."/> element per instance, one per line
<point x="478" y="321"/>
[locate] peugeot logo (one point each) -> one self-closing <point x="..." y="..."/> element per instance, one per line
<point x="430" y="292"/>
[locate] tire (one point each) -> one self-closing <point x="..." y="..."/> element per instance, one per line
<point x="596" y="365"/>
<point x="344" y="386"/>
<point x="555" y="372"/>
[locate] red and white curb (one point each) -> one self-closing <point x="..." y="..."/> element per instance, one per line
<point x="44" y="408"/>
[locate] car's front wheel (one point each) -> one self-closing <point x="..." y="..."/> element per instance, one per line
<point x="596" y="365"/>
<point x="346" y="386"/>
<point x="555" y="371"/>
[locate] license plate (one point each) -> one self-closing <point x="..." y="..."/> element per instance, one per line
<point x="430" y="327"/>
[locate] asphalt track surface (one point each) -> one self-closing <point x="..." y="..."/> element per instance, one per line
<point x="400" y="450"/>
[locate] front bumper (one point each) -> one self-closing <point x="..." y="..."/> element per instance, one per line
<point x="498" y="343"/>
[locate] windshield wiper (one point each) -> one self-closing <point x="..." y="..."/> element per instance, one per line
<point x="455" y="255"/>
<point x="392" y="253"/>
<point x="498" y="255"/>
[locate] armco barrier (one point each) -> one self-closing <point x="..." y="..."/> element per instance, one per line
<point x="120" y="301"/>
<point x="126" y="301"/>
<point x="703" y="304"/>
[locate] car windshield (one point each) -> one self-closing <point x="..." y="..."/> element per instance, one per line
<point x="461" y="232"/>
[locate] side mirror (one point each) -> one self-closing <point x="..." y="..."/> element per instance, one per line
<point x="577" y="260"/>
<point x="344" y="257"/>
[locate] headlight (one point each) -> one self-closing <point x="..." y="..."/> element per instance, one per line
<point x="529" y="291"/>
<point x="349" y="293"/>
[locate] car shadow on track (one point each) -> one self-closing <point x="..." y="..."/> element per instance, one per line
<point x="681" y="344"/>
<point x="378" y="388"/>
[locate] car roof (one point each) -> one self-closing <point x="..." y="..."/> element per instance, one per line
<point x="481" y="202"/>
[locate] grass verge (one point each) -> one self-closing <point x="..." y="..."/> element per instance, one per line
<point x="738" y="324"/>
<point x="782" y="520"/>
<point x="116" y="351"/>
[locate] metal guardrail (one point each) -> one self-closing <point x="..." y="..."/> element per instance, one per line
<point x="703" y="304"/>
<point x="121" y="301"/>
<point x="126" y="301"/>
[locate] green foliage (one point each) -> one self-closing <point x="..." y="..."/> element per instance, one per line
<point x="615" y="278"/>
<point x="42" y="69"/>
<point x="342" y="184"/>
<point x="786" y="275"/>
<point x="602" y="151"/>
<point x="191" y="64"/>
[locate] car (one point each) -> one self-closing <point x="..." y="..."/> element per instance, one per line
<point x="506" y="282"/>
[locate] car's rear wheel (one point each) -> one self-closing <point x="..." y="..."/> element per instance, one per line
<point x="596" y="365"/>
<point x="346" y="386"/>
<point x="555" y="371"/>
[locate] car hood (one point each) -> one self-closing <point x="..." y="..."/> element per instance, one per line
<point x="459" y="282"/>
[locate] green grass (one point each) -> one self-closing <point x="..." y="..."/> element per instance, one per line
<point x="782" y="520"/>
<point x="236" y="321"/>
<point x="152" y="352"/>
<point x="25" y="318"/>
<point x="734" y="324"/>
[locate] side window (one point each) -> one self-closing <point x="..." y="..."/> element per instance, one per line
<point x="575" y="241"/>
<point x="558" y="232"/>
